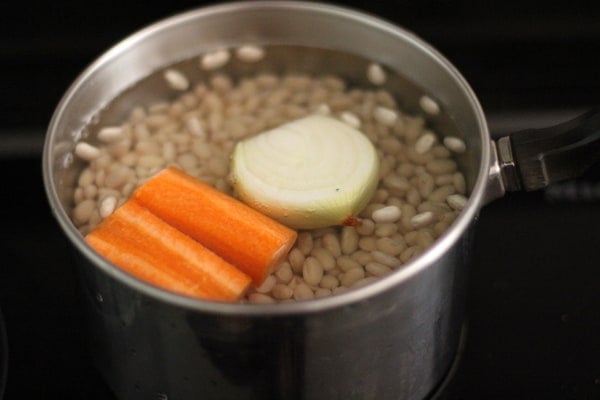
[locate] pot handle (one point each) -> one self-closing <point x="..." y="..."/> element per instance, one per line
<point x="534" y="158"/>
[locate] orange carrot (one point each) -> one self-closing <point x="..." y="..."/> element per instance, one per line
<point x="152" y="250"/>
<point x="241" y="235"/>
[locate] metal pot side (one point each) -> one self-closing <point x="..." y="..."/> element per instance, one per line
<point x="393" y="339"/>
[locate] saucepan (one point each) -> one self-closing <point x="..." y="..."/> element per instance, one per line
<point x="395" y="338"/>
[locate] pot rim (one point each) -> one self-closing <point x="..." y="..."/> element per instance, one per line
<point x="395" y="278"/>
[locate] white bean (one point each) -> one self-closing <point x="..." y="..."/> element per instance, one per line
<point x="364" y="281"/>
<point x="107" y="206"/>
<point x="367" y="243"/>
<point x="218" y="167"/>
<point x="422" y="219"/>
<point x="425" y="185"/>
<point x="268" y="285"/>
<point x="201" y="150"/>
<point x="284" y="273"/>
<point x="117" y="177"/>
<point x="330" y="242"/>
<point x="95" y="219"/>
<point x="168" y="152"/>
<point x="147" y="147"/>
<point x="176" y="79"/>
<point x="386" y="229"/>
<point x="396" y="184"/>
<point x="405" y="170"/>
<point x="385" y="259"/>
<point x="390" y="246"/>
<point x="424" y="143"/>
<point x="385" y="116"/>
<point x="350" y="119"/>
<point x="150" y="161"/>
<point x="215" y="59"/>
<point x="195" y="127"/>
<point x="282" y="292"/>
<point x="339" y="289"/>
<point x="329" y="282"/>
<point x="128" y="188"/>
<point x="323" y="109"/>
<point x="457" y="201"/>
<point x="137" y="115"/>
<point x="440" y="194"/>
<point x="86" y="151"/>
<point x="296" y="259"/>
<point x="260" y="298"/>
<point x="120" y="148"/>
<point x="458" y="180"/>
<point x="346" y="263"/>
<point x="409" y="253"/>
<point x="303" y="292"/>
<point x="386" y="165"/>
<point x="159" y="107"/>
<point x="376" y="74"/>
<point x="387" y="214"/>
<point x="391" y="145"/>
<point x="366" y="227"/>
<point x="312" y="271"/>
<point x="304" y="242"/>
<point x="83" y="211"/>
<point x="352" y="276"/>
<point x="141" y="131"/>
<point x="441" y="166"/>
<point x="429" y="105"/>
<point x="294" y="282"/>
<point x="111" y="134"/>
<point x="104" y="192"/>
<point x="454" y="144"/>
<point x="322" y="292"/>
<point x="90" y="191"/>
<point x="442" y="180"/>
<point x="377" y="269"/>
<point x="250" y="53"/>
<point x="424" y="239"/>
<point x="362" y="257"/>
<point x="325" y="258"/>
<point x="349" y="240"/>
<point x="86" y="177"/>
<point x="187" y="161"/>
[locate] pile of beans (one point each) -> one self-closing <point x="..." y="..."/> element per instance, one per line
<point x="420" y="191"/>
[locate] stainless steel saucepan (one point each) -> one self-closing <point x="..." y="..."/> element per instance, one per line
<point x="393" y="339"/>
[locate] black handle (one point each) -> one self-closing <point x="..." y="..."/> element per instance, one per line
<point x="565" y="151"/>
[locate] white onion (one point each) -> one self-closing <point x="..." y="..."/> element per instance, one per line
<point x="310" y="173"/>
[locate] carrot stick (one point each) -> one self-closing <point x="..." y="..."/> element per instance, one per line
<point x="241" y="235"/>
<point x="152" y="250"/>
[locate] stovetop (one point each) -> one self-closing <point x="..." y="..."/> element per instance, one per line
<point x="534" y="288"/>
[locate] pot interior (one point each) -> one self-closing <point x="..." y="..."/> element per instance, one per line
<point x="299" y="38"/>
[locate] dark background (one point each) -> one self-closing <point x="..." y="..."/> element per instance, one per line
<point x="516" y="55"/>
<point x="534" y="298"/>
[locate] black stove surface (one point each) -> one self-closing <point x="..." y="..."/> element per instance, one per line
<point x="534" y="291"/>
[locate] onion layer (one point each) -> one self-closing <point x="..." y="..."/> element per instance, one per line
<point x="310" y="173"/>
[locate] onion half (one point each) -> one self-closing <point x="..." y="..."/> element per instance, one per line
<point x="310" y="173"/>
